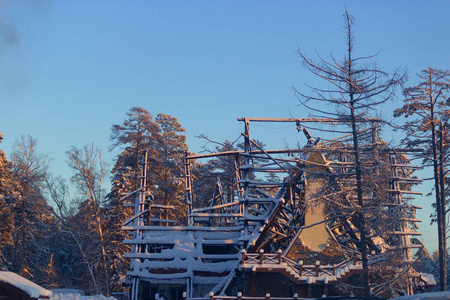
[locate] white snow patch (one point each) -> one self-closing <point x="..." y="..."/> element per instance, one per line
<point x="427" y="296"/>
<point x="78" y="297"/>
<point x="429" y="278"/>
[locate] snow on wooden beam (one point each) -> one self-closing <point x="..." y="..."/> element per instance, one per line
<point x="229" y="153"/>
<point x="308" y="120"/>
<point x="202" y="209"/>
<point x="404" y="192"/>
<point x="405" y="232"/>
<point x="184" y="228"/>
<point x="216" y="215"/>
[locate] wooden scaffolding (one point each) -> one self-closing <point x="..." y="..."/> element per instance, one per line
<point x="266" y="217"/>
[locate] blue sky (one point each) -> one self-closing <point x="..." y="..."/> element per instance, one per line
<point x="71" y="69"/>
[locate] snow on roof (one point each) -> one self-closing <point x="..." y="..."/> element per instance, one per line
<point x="29" y="287"/>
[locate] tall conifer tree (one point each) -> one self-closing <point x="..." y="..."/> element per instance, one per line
<point x="427" y="110"/>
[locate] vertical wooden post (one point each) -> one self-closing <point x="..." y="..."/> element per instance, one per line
<point x="253" y="282"/>
<point x="246" y="174"/>
<point x="334" y="270"/>
<point x="261" y="256"/>
<point x="184" y="295"/>
<point x="188" y="186"/>
<point x="279" y="252"/>
<point x="325" y="289"/>
<point x="239" y="296"/>
<point x="243" y="256"/>
<point x="295" y="296"/>
<point x="211" y="296"/>
<point x="268" y="296"/>
<point x="300" y="267"/>
<point x="354" y="258"/>
<point x="317" y="268"/>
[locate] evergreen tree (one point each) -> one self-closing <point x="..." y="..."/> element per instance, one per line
<point x="132" y="137"/>
<point x="136" y="134"/>
<point x="427" y="108"/>
<point x="164" y="143"/>
<point x="7" y="190"/>
<point x="166" y="168"/>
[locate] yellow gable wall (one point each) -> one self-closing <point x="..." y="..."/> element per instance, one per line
<point x="315" y="237"/>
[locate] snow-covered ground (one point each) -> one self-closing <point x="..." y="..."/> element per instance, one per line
<point x="426" y="296"/>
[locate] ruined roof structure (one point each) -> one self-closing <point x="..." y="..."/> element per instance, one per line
<point x="298" y="235"/>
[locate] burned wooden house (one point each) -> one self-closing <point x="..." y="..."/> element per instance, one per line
<point x="294" y="233"/>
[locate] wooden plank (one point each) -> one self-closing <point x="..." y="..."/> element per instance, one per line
<point x="308" y="120"/>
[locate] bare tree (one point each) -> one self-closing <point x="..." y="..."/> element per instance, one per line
<point x="88" y="177"/>
<point x="355" y="89"/>
<point x="30" y="172"/>
<point x="58" y="193"/>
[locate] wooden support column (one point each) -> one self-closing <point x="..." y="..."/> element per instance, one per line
<point x="239" y="296"/>
<point x="188" y="187"/>
<point x="317" y="268"/>
<point x="253" y="282"/>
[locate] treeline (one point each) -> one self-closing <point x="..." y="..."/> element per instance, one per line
<point x="74" y="241"/>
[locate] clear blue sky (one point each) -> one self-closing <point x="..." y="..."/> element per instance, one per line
<point x="71" y="69"/>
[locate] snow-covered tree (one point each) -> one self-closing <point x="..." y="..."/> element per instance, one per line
<point x="427" y="110"/>
<point x="165" y="166"/>
<point x="32" y="217"/>
<point x="162" y="139"/>
<point x="136" y="134"/>
<point x="7" y="191"/>
<point x="132" y="137"/>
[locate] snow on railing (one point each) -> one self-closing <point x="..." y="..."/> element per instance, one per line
<point x="239" y="296"/>
<point x="317" y="270"/>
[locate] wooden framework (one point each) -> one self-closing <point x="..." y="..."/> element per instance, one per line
<point x="258" y="221"/>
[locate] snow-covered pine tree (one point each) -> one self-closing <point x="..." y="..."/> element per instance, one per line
<point x="131" y="138"/>
<point x="7" y="190"/>
<point x="428" y="111"/>
<point x="166" y="168"/>
<point x="165" y="144"/>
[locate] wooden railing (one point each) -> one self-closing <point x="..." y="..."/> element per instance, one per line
<point x="299" y="268"/>
<point x="240" y="297"/>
